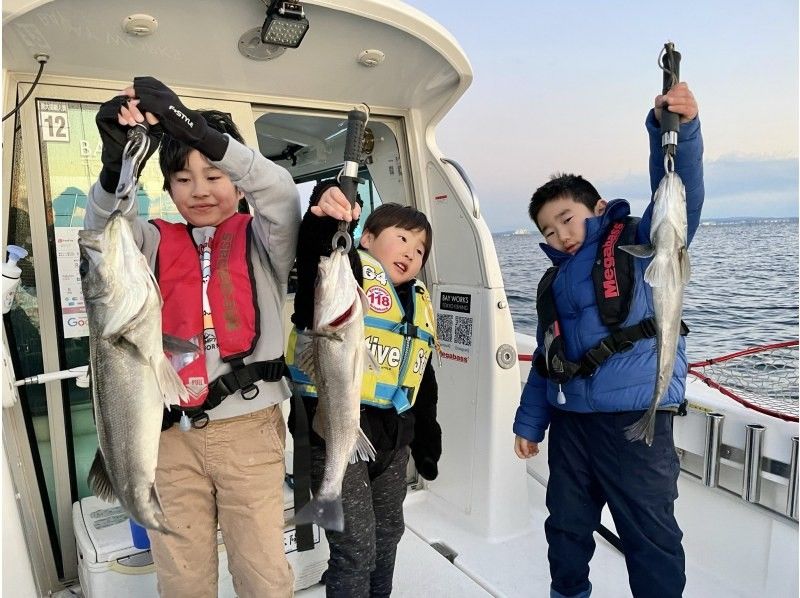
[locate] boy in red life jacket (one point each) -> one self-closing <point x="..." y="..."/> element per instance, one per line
<point x="393" y="249"/>
<point x="223" y="279"/>
<point x="594" y="370"/>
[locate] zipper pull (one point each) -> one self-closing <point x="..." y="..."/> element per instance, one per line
<point x="562" y="399"/>
<point x="185" y="423"/>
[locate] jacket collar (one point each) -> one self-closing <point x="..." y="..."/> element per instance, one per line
<point x="616" y="209"/>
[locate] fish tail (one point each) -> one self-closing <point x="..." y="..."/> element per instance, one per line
<point x="98" y="480"/>
<point x="644" y="428"/>
<point x="363" y="450"/>
<point x="327" y="513"/>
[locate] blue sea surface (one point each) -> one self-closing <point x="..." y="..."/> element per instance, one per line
<point x="743" y="291"/>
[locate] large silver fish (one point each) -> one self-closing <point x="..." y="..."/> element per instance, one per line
<point x="336" y="365"/>
<point x="668" y="274"/>
<point x="131" y="378"/>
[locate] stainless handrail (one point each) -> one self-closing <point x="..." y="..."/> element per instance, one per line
<point x="476" y="210"/>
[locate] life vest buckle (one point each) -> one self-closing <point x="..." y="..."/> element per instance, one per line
<point x="624" y="346"/>
<point x="648" y="326"/>
<point x="598" y="355"/>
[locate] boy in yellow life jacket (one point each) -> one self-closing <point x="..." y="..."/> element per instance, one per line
<point x="398" y="412"/>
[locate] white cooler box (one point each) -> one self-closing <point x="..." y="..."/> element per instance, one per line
<point x="109" y="565"/>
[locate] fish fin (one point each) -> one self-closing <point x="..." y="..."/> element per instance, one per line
<point x="173" y="344"/>
<point x="363" y="450"/>
<point x="98" y="479"/>
<point x="161" y="518"/>
<point x="327" y="514"/>
<point x="663" y="272"/>
<point x="128" y="311"/>
<point x="169" y="382"/>
<point x="642" y="251"/>
<point x="123" y="344"/>
<point x="685" y="265"/>
<point x="370" y="362"/>
<point x="305" y="360"/>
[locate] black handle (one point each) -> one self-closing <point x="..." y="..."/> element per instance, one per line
<point x="671" y="61"/>
<point x="356" y="122"/>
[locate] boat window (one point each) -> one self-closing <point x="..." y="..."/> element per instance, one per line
<point x="311" y="147"/>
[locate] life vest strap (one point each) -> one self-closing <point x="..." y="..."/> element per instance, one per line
<point x="244" y="377"/>
<point x="618" y="342"/>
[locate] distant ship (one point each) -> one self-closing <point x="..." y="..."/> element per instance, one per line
<point x="521" y="231"/>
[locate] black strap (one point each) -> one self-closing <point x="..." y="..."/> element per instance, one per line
<point x="301" y="472"/>
<point x="618" y="342"/>
<point x="244" y="377"/>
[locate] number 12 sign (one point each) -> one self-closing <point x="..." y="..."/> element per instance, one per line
<point x="54" y="125"/>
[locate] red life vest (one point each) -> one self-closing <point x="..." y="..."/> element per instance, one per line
<point x="231" y="295"/>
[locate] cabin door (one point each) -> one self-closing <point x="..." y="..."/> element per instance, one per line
<point x="50" y="431"/>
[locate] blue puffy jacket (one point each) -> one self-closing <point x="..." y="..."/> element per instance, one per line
<point x="625" y="381"/>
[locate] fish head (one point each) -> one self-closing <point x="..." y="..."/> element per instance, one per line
<point x="98" y="264"/>
<point x="337" y="301"/>
<point x="114" y="273"/>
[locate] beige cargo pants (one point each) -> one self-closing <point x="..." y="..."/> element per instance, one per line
<point x="231" y="471"/>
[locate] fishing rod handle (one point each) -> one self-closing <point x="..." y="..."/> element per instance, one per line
<point x="348" y="181"/>
<point x="670" y="122"/>
<point x="356" y="123"/>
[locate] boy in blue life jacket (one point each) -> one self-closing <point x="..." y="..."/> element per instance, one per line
<point x="607" y="386"/>
<point x="222" y="277"/>
<point x="393" y="249"/>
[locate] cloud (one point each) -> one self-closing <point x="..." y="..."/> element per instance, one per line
<point x="735" y="186"/>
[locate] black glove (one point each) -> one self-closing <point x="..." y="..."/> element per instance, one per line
<point x="427" y="468"/>
<point x="178" y="121"/>
<point x="114" y="137"/>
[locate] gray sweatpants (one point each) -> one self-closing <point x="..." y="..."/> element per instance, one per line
<point x="362" y="557"/>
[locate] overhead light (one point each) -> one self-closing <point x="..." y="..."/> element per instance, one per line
<point x="285" y="25"/>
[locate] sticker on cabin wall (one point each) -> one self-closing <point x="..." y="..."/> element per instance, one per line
<point x="54" y="125"/>
<point x="73" y="309"/>
<point x="454" y="330"/>
<point x="460" y="302"/>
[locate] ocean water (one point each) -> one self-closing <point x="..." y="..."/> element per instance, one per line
<point x="743" y="291"/>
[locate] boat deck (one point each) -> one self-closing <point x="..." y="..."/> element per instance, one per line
<point x="515" y="567"/>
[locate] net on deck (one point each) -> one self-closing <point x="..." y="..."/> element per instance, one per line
<point x="763" y="378"/>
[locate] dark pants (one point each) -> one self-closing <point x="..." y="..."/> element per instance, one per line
<point x="362" y="557"/>
<point x="591" y="464"/>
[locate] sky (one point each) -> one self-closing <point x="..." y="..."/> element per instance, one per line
<point x="565" y="86"/>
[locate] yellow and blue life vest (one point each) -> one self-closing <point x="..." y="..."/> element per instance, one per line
<point x="400" y="342"/>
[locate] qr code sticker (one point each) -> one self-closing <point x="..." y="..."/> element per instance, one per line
<point x="444" y="327"/>
<point x="463" y="331"/>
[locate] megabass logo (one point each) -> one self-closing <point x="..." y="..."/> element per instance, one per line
<point x="182" y="116"/>
<point x="610" y="286"/>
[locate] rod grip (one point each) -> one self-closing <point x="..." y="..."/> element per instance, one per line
<point x="356" y="122"/>
<point x="670" y="122"/>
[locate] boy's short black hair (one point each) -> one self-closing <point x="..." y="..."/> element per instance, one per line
<point x="405" y="217"/>
<point x="573" y="186"/>
<point x="173" y="153"/>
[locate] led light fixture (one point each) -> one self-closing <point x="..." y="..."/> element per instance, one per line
<point x="285" y="25"/>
